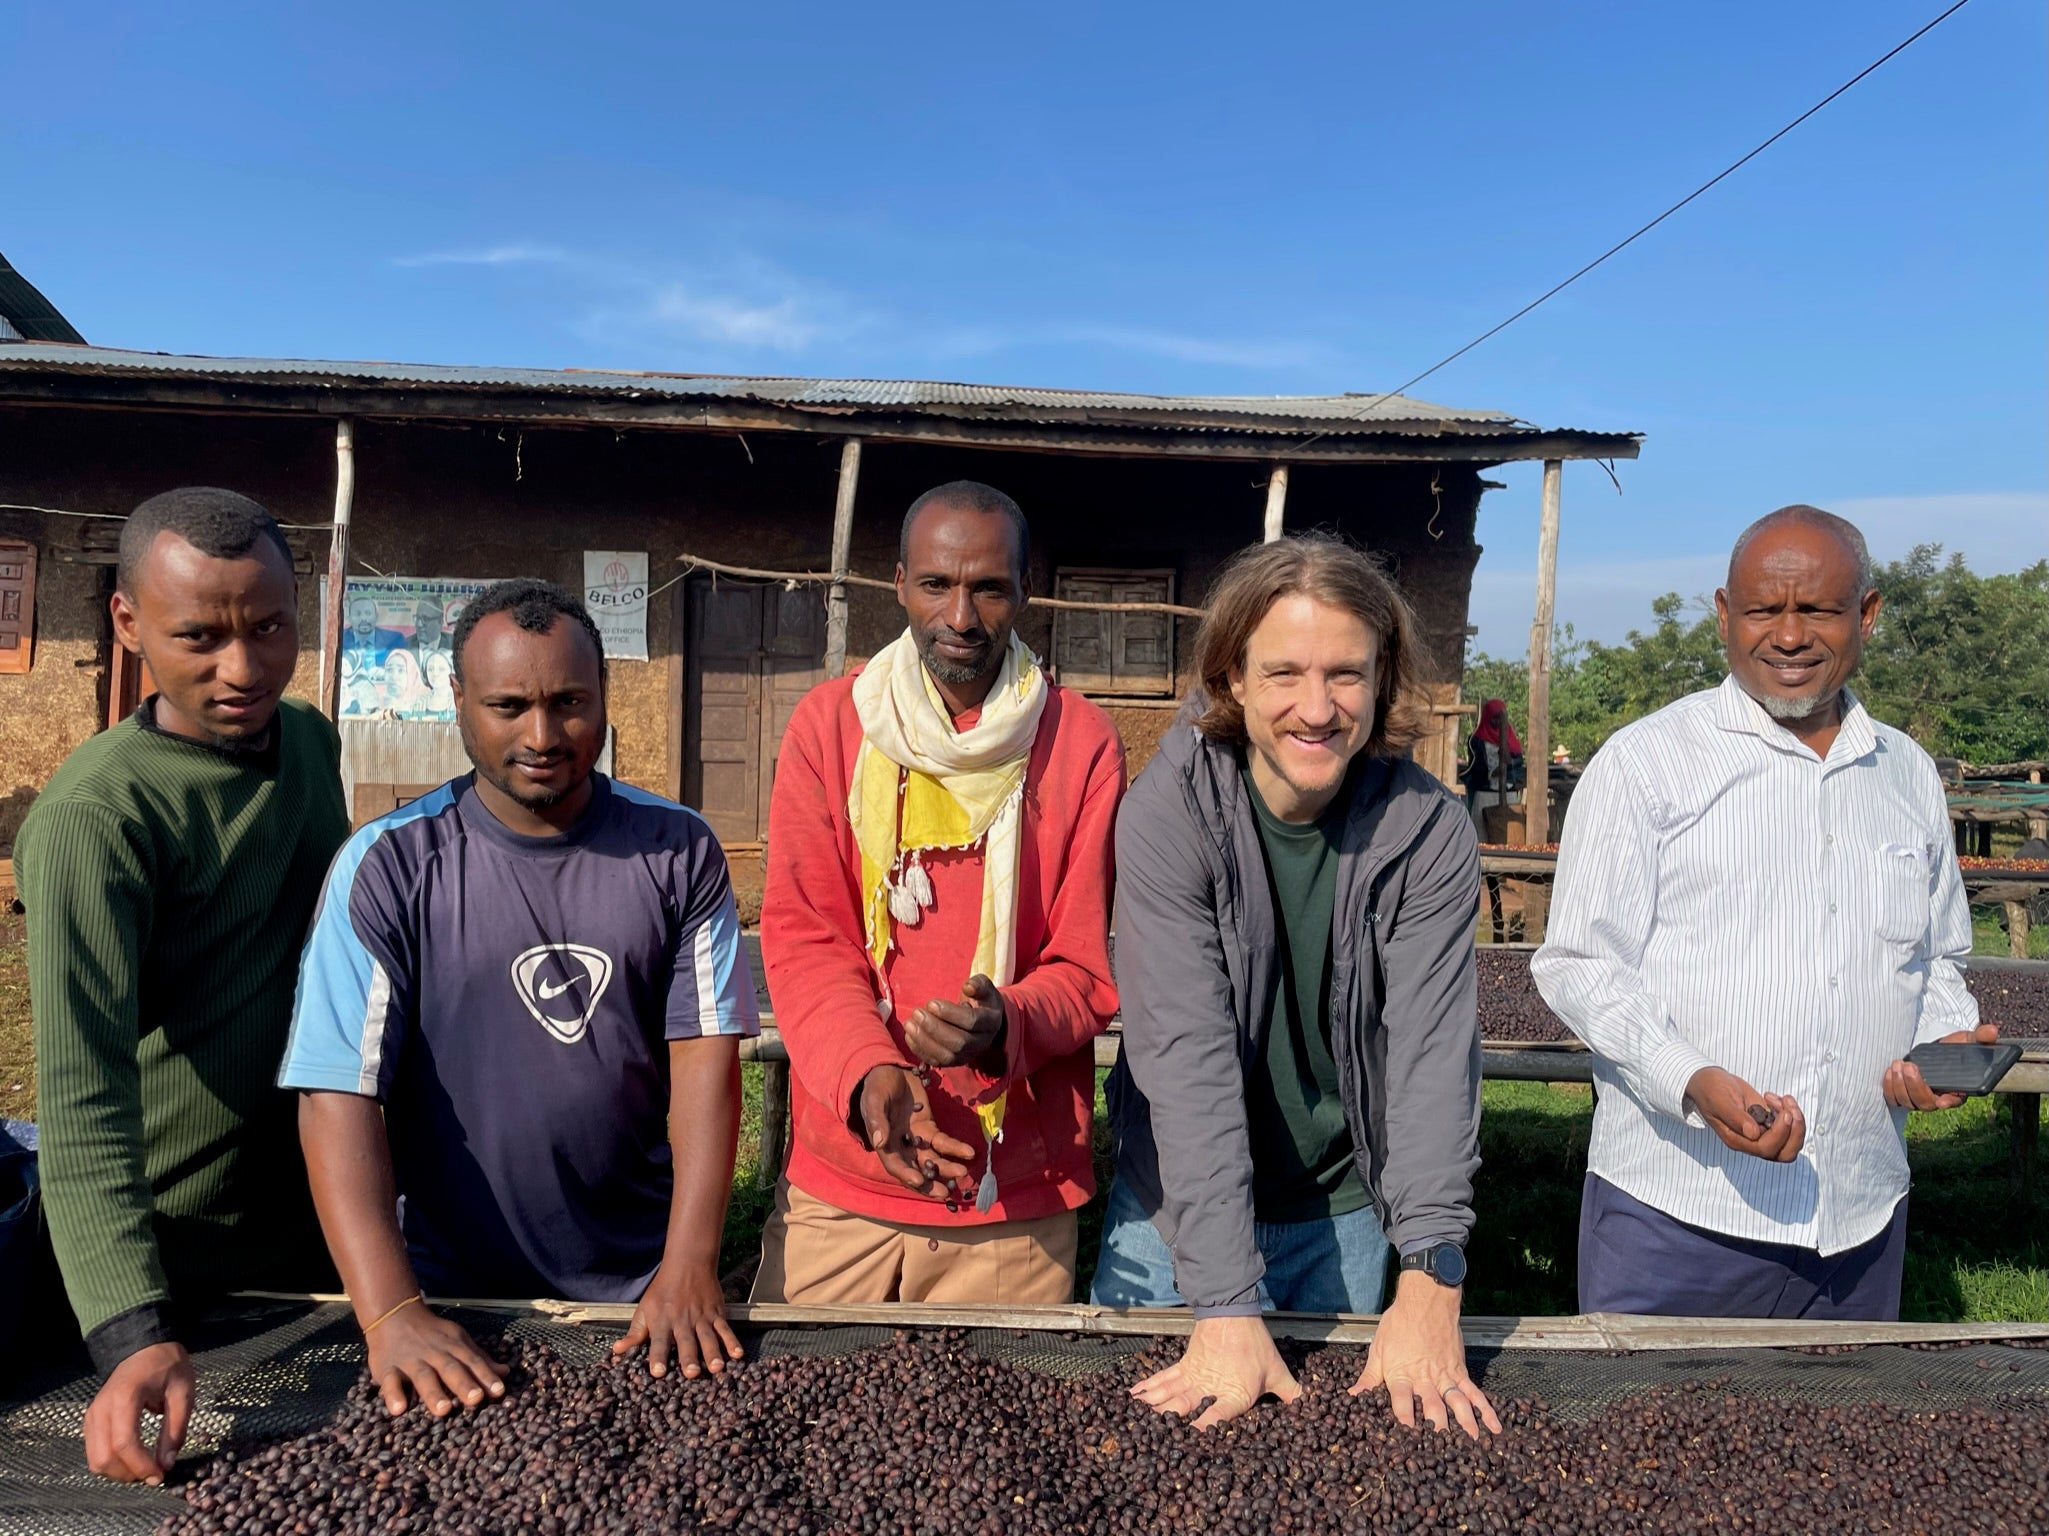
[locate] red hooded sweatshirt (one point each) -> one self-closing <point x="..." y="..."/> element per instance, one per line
<point x="826" y="994"/>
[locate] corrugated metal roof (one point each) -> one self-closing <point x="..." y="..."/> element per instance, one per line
<point x="1318" y="415"/>
<point x="27" y="313"/>
<point x="779" y="390"/>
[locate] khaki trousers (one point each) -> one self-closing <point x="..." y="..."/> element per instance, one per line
<point x="816" y="1254"/>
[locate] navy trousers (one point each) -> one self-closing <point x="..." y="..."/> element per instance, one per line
<point x="1635" y="1258"/>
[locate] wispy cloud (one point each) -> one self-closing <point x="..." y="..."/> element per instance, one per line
<point x="492" y="256"/>
<point x="1996" y="530"/>
<point x="791" y="323"/>
<point x="750" y="305"/>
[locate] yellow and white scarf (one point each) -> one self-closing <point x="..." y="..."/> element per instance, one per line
<point x="919" y="786"/>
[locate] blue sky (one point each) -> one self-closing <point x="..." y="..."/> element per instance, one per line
<point x="1279" y="199"/>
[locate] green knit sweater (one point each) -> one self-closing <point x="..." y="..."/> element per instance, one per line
<point x="169" y="887"/>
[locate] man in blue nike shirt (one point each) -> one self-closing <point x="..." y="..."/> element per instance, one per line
<point x="520" y="1011"/>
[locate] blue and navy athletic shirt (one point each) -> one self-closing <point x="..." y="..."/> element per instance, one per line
<point x="509" y="1001"/>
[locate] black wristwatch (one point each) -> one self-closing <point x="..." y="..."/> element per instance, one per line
<point x="1444" y="1262"/>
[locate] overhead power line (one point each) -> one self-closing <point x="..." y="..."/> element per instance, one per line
<point x="1624" y="244"/>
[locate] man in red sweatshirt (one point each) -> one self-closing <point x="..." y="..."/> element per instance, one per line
<point x="936" y="937"/>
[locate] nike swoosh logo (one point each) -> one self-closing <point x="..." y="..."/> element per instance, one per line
<point x="548" y="994"/>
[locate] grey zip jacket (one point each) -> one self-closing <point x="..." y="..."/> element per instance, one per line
<point x="1196" y="968"/>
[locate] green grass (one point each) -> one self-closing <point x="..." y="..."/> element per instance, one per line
<point x="1977" y="1251"/>
<point x="1533" y="1151"/>
<point x="1989" y="935"/>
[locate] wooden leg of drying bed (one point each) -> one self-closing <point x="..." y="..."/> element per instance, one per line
<point x="775" y="1120"/>
<point x="2017" y="929"/>
<point x="2026" y="1109"/>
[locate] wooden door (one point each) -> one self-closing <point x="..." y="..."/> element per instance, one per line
<point x="723" y="707"/>
<point x="754" y="652"/>
<point x="128" y="683"/>
<point x="17" y="605"/>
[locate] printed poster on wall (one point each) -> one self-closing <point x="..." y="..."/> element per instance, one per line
<point x="615" y="592"/>
<point x="397" y="635"/>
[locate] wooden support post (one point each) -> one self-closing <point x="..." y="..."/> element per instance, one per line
<point x="775" y="1121"/>
<point x="2038" y="826"/>
<point x="679" y="684"/>
<point x="2017" y="929"/>
<point x="1276" y="501"/>
<point x="337" y="566"/>
<point x="842" y="547"/>
<point x="2026" y="1109"/>
<point x="1537" y="738"/>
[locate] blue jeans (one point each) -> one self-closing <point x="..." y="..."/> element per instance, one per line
<point x="1336" y="1264"/>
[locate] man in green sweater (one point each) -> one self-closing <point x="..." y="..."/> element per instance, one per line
<point x="170" y="872"/>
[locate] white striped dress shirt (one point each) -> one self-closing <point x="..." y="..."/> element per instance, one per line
<point x="1727" y="898"/>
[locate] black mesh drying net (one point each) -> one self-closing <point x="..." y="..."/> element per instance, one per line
<point x="274" y="1370"/>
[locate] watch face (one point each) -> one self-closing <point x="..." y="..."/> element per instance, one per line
<point x="1448" y="1266"/>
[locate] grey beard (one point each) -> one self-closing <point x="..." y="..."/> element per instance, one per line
<point x="958" y="672"/>
<point x="1779" y="707"/>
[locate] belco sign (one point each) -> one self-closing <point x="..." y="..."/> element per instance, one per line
<point x="615" y="592"/>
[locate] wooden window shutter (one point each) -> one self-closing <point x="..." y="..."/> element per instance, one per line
<point x="1129" y="655"/>
<point x="17" y="605"/>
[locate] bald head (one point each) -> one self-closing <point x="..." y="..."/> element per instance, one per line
<point x="1800" y="603"/>
<point x="1800" y="515"/>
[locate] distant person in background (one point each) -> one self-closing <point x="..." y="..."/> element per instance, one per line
<point x="1758" y="914"/>
<point x="1494" y="773"/>
<point x="169" y="872"/>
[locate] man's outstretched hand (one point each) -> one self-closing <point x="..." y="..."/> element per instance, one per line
<point x="155" y="1379"/>
<point x="684" y="1310"/>
<point x="964" y="1034"/>
<point x="896" y="1118"/>
<point x="1230" y="1362"/>
<point x="1419" y="1356"/>
<point x="415" y="1354"/>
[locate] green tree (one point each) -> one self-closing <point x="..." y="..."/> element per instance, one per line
<point x="1597" y="689"/>
<point x="1960" y="661"/>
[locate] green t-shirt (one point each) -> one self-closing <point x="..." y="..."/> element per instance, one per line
<point x="1302" y="1163"/>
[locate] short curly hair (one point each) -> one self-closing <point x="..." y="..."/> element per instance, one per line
<point x="534" y="605"/>
<point x="216" y="522"/>
<point x="1339" y="575"/>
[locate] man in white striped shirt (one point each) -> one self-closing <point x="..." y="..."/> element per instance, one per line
<point x="1758" y="914"/>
